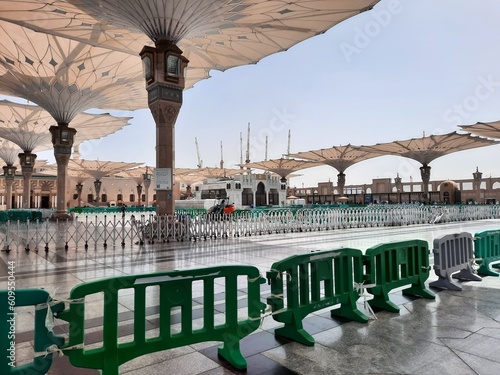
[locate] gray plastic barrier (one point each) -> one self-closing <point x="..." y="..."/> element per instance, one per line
<point x="453" y="257"/>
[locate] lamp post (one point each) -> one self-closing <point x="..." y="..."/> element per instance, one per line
<point x="146" y="177"/>
<point x="164" y="68"/>
<point x="79" y="188"/>
<point x="97" y="187"/>
<point x="9" y="173"/>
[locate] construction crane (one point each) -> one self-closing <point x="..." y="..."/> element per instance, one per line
<point x="200" y="162"/>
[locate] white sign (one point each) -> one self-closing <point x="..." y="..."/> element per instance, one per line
<point x="163" y="179"/>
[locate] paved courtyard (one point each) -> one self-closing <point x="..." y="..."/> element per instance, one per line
<point x="457" y="333"/>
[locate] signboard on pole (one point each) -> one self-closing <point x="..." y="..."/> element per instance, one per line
<point x="163" y="179"/>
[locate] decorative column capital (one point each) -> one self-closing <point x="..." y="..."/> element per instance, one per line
<point x="164" y="112"/>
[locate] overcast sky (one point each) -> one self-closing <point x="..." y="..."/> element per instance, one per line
<point x="406" y="67"/>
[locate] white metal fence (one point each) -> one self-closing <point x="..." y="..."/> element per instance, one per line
<point x="117" y="230"/>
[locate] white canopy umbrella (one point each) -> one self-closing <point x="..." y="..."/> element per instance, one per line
<point x="199" y="35"/>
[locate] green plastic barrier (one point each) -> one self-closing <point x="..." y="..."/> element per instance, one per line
<point x="175" y="290"/>
<point x="314" y="281"/>
<point x="396" y="264"/>
<point x="486" y="251"/>
<point x="20" y="215"/>
<point x="9" y="299"/>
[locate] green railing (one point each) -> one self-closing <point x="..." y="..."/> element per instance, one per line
<point x="20" y="215"/>
<point x="43" y="339"/>
<point x="310" y="282"/>
<point x="110" y="210"/>
<point x="396" y="264"/>
<point x="175" y="291"/>
<point x="486" y="251"/>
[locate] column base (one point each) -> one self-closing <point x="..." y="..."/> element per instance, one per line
<point x="61" y="216"/>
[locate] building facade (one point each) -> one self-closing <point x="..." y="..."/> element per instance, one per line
<point x="386" y="190"/>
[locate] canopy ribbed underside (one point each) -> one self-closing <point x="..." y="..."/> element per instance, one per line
<point x="214" y="34"/>
<point x="99" y="169"/>
<point x="9" y="152"/>
<point x="28" y="125"/>
<point x="137" y="173"/>
<point x="338" y="157"/>
<point x="484" y="129"/>
<point x="282" y="167"/>
<point x="426" y="149"/>
<point x="66" y="77"/>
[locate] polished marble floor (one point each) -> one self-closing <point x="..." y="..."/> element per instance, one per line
<point x="457" y="333"/>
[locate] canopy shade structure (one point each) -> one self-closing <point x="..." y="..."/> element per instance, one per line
<point x="207" y="172"/>
<point x="426" y="149"/>
<point x="484" y="129"/>
<point x="283" y="167"/>
<point x="189" y="36"/>
<point x="214" y="34"/>
<point x="142" y="176"/>
<point x="338" y="157"/>
<point x="9" y="152"/>
<point x="66" y="77"/>
<point x="138" y="174"/>
<point x="28" y="125"/>
<point x="189" y="179"/>
<point x="99" y="169"/>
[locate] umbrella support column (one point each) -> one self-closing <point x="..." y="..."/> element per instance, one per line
<point x="27" y="160"/>
<point x="62" y="139"/>
<point x="164" y="68"/>
<point x="9" y="172"/>
<point x="425" y="173"/>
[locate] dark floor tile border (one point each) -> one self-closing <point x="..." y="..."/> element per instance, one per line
<point x="252" y="348"/>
